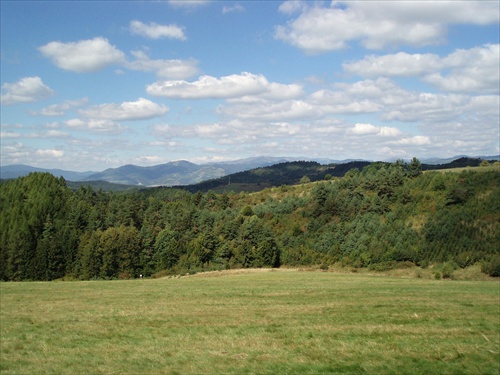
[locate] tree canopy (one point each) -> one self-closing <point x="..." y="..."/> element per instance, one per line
<point x="374" y="217"/>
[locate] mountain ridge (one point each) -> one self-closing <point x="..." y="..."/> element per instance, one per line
<point x="182" y="172"/>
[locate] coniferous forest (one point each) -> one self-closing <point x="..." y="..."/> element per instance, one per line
<point x="382" y="216"/>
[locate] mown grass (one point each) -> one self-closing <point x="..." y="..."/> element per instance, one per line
<point x="252" y="323"/>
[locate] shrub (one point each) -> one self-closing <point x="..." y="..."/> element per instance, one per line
<point x="437" y="275"/>
<point x="492" y="267"/>
<point x="247" y="211"/>
<point x="382" y="266"/>
<point x="447" y="270"/>
<point x="466" y="259"/>
<point x="484" y="163"/>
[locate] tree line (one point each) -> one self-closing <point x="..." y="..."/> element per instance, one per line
<point x="381" y="216"/>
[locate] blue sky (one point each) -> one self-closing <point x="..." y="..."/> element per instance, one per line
<point x="93" y="85"/>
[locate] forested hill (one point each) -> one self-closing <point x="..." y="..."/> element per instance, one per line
<point x="287" y="173"/>
<point x="379" y="217"/>
<point x="293" y="173"/>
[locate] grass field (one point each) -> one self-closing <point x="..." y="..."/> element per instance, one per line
<point x="488" y="168"/>
<point x="258" y="322"/>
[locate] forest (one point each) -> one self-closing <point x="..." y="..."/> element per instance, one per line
<point x="382" y="216"/>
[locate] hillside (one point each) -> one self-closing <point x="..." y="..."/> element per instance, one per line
<point x="19" y="170"/>
<point x="381" y="217"/>
<point x="287" y="173"/>
<point x="173" y="173"/>
<point x="211" y="176"/>
<point x="291" y="173"/>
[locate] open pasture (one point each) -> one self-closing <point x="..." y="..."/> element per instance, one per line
<point x="272" y="322"/>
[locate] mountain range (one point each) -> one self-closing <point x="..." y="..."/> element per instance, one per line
<point x="169" y="174"/>
<point x="180" y="173"/>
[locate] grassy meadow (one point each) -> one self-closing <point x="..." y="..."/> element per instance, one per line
<point x="251" y="322"/>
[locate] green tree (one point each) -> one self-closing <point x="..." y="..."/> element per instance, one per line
<point x="414" y="168"/>
<point x="166" y="249"/>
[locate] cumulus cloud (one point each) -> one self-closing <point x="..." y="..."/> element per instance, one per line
<point x="369" y="129"/>
<point x="156" y="31"/>
<point x="169" y="69"/>
<point x="188" y="4"/>
<point x="233" y="86"/>
<point x="141" y="109"/>
<point x="364" y="129"/>
<point x="51" y="153"/>
<point x="236" y="8"/>
<point x="7" y="134"/>
<point x="26" y="90"/>
<point x="95" y="126"/>
<point x="417" y="23"/>
<point x="61" y="108"/>
<point x="472" y="70"/>
<point x="381" y="97"/>
<point x="418" y="140"/>
<point x="292" y="6"/>
<point x="83" y="56"/>
<point x="428" y="107"/>
<point x="266" y="110"/>
<point x="401" y="64"/>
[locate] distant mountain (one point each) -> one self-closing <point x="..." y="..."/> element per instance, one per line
<point x="19" y="170"/>
<point x="182" y="173"/>
<point x="457" y="163"/>
<point x="241" y="165"/>
<point x="286" y="173"/>
<point x="291" y="173"/>
<point x="449" y="160"/>
<point x="173" y="173"/>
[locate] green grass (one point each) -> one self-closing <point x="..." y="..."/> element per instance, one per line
<point x="488" y="168"/>
<point x="252" y="323"/>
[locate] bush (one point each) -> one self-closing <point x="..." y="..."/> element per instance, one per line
<point x="437" y="275"/>
<point x="447" y="270"/>
<point x="492" y="267"/>
<point x="382" y="266"/>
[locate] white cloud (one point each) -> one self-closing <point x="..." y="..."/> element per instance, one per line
<point x="51" y="153"/>
<point x="369" y="129"/>
<point x="292" y="6"/>
<point x="83" y="56"/>
<point x="236" y="8"/>
<point x="473" y="70"/>
<point x="26" y="90"/>
<point x="170" y="69"/>
<point x="386" y="131"/>
<point x="188" y="4"/>
<point x="126" y="111"/>
<point x="361" y="129"/>
<point x="380" y="97"/>
<point x="233" y="86"/>
<point x="61" y="108"/>
<point x="376" y="25"/>
<point x="95" y="126"/>
<point x="428" y="107"/>
<point x="156" y="31"/>
<point x="5" y="135"/>
<point x="266" y="110"/>
<point x="418" y="140"/>
<point x="400" y="64"/>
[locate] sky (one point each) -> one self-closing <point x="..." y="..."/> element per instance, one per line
<point x="91" y="85"/>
